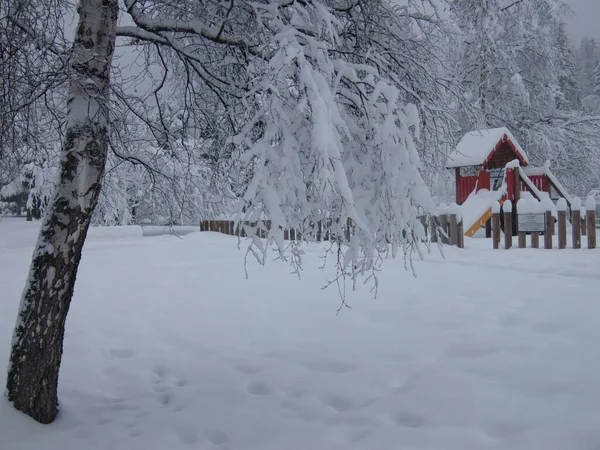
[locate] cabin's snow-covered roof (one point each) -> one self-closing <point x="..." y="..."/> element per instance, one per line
<point x="476" y="146"/>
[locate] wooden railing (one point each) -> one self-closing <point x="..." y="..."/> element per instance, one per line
<point x="539" y="181"/>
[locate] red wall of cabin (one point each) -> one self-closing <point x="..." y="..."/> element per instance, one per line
<point x="464" y="186"/>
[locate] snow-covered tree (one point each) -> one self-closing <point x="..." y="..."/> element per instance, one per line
<point x="566" y="66"/>
<point x="39" y="331"/>
<point x="588" y="57"/>
<point x="296" y="110"/>
<point x="596" y="80"/>
<point x="33" y="59"/>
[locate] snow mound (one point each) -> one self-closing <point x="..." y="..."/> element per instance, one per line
<point x="130" y="232"/>
<point x="477" y="204"/>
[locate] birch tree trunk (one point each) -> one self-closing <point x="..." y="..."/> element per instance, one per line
<point x="39" y="331"/>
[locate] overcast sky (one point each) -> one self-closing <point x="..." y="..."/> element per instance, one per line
<point x="586" y="21"/>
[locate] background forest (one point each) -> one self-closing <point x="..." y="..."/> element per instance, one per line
<point x="174" y="158"/>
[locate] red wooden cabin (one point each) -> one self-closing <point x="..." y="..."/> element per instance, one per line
<point x="480" y="159"/>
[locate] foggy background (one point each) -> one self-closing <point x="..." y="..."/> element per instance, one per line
<point x="585" y="20"/>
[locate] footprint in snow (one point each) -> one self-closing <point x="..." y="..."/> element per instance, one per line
<point x="511" y="321"/>
<point x="161" y="388"/>
<point x="338" y="403"/>
<point x="248" y="369"/>
<point x="160" y="370"/>
<point x="471" y="351"/>
<point x="121" y="353"/>
<point x="165" y="398"/>
<point x="216" y="437"/>
<point x="135" y="432"/>
<point x="188" y="437"/>
<point x="409" y="420"/>
<point x="331" y="366"/>
<point x="506" y="429"/>
<point x="549" y="327"/>
<point x="259" y="388"/>
<point x="356" y="436"/>
<point x="181" y="382"/>
<point x="83" y="434"/>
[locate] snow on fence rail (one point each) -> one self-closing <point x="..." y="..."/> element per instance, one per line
<point x="538" y="218"/>
<point x="446" y="227"/>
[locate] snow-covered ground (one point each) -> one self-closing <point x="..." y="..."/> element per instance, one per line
<point x="169" y="347"/>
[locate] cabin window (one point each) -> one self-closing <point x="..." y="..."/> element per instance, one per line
<point x="496" y="178"/>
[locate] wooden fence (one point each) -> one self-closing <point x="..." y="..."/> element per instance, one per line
<point x="583" y="223"/>
<point x="447" y="228"/>
<point x="318" y="232"/>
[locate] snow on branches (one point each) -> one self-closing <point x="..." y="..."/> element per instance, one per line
<point x="328" y="140"/>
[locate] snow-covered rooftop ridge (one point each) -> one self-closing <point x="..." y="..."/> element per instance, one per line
<point x="475" y="147"/>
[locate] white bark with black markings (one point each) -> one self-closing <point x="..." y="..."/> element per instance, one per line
<point x="38" y="337"/>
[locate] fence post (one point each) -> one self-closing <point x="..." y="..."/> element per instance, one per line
<point x="535" y="240"/>
<point x="583" y="222"/>
<point x="347" y="233"/>
<point x="424" y="223"/>
<point x="522" y="237"/>
<point x="460" y="232"/>
<point x="444" y="228"/>
<point x="590" y="206"/>
<point x="508" y="224"/>
<point x="576" y="222"/>
<point x="488" y="229"/>
<point x="522" y="240"/>
<point x="548" y="232"/>
<point x="433" y="224"/>
<point x="561" y="205"/>
<point x="496" y="224"/>
<point x="453" y="230"/>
